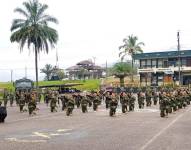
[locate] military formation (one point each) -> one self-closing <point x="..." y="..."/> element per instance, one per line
<point x="169" y="100"/>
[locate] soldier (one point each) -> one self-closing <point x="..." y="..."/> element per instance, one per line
<point x="124" y="99"/>
<point x="3" y="113"/>
<point x="53" y="102"/>
<point x="63" y="101"/>
<point x="70" y="105"/>
<point x="47" y="97"/>
<point x="84" y="103"/>
<point x="155" y="97"/>
<point x="22" y="101"/>
<point x="131" y="102"/>
<point x="11" y="98"/>
<point x="107" y="99"/>
<point x="17" y="97"/>
<point x="5" y="97"/>
<point x="78" y="100"/>
<point x="96" y="101"/>
<point x="141" y="99"/>
<point x="148" y="98"/>
<point x="164" y="104"/>
<point x="32" y="103"/>
<point x="113" y="105"/>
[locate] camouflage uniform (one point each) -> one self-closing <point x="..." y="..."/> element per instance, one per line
<point x="53" y="103"/>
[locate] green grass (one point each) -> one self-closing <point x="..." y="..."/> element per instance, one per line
<point x="87" y="84"/>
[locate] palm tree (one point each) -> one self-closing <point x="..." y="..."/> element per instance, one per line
<point x="121" y="70"/>
<point x="47" y="70"/>
<point x="130" y="47"/>
<point x="33" y="30"/>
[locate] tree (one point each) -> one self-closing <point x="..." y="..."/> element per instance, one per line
<point x="130" y="47"/>
<point x="58" y="73"/>
<point x="33" y="29"/>
<point x="47" y="70"/>
<point x="121" y="70"/>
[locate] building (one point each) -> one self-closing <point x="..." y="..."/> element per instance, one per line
<point x="85" y="69"/>
<point x="159" y="68"/>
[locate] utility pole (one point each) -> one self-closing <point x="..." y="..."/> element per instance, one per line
<point x="11" y="75"/>
<point x="56" y="58"/>
<point x="94" y="58"/>
<point x="25" y="72"/>
<point x="106" y="69"/>
<point x="179" y="73"/>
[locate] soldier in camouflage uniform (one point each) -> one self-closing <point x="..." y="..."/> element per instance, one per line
<point x="155" y="97"/>
<point x="148" y="98"/>
<point x="84" y="103"/>
<point x="107" y="99"/>
<point x="63" y="101"/>
<point x="53" y="103"/>
<point x="5" y="97"/>
<point x="11" y="98"/>
<point x="70" y="105"/>
<point x="113" y="104"/>
<point x="22" y="101"/>
<point x="32" y="103"/>
<point x="141" y="99"/>
<point x="164" y="105"/>
<point x="131" y="102"/>
<point x="96" y="101"/>
<point x="124" y="100"/>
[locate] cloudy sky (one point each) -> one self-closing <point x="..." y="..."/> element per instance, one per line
<point x="96" y="28"/>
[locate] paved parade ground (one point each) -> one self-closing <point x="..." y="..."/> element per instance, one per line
<point x="139" y="130"/>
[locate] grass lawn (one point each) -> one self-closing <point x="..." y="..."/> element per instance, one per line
<point x="87" y="84"/>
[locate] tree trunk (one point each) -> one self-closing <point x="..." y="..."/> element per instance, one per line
<point x="122" y="81"/>
<point x="36" y="70"/>
<point x="132" y="65"/>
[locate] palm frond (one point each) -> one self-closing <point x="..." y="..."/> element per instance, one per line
<point x="21" y="11"/>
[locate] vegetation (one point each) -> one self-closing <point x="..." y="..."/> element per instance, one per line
<point x="33" y="30"/>
<point x="50" y="71"/>
<point x="130" y="47"/>
<point x="47" y="70"/>
<point x="121" y="70"/>
<point x="87" y="85"/>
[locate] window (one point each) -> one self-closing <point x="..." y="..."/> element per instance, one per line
<point x="160" y="63"/>
<point x="154" y="63"/>
<point x="165" y="63"/>
<point x="183" y="62"/>
<point x="149" y="63"/>
<point x="142" y="63"/>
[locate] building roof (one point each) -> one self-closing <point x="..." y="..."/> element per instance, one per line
<point x="77" y="67"/>
<point x="166" y="54"/>
<point x="97" y="68"/>
<point x="85" y="62"/>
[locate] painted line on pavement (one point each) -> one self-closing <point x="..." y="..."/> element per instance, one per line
<point x="36" y="117"/>
<point x="41" y="135"/>
<point x="163" y="130"/>
<point x="25" y="141"/>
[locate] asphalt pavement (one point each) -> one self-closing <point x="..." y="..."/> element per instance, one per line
<point x="139" y="130"/>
